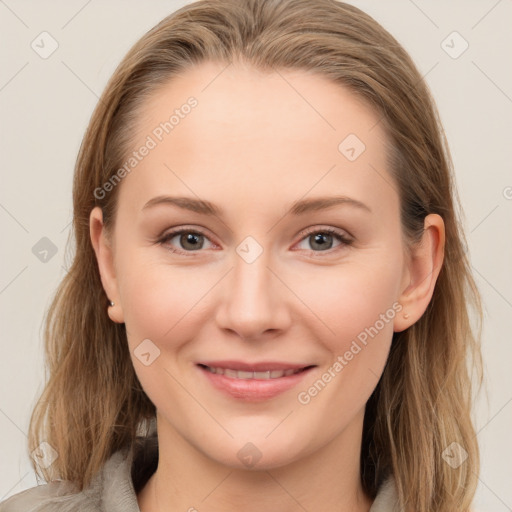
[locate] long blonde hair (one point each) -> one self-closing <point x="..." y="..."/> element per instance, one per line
<point x="93" y="403"/>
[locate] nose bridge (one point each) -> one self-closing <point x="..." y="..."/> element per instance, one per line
<point x="253" y="302"/>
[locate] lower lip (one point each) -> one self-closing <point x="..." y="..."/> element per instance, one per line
<point x="254" y="390"/>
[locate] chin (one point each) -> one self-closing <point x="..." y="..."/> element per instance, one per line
<point x="256" y="453"/>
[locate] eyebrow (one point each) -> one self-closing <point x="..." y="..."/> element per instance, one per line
<point x="297" y="208"/>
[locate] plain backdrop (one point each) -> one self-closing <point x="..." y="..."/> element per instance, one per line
<point x="463" y="49"/>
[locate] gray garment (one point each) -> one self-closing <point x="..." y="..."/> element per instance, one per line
<point x="115" y="487"/>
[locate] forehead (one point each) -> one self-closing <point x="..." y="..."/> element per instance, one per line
<point x="260" y="107"/>
<point x="258" y="133"/>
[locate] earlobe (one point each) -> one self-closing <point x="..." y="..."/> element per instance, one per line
<point x="423" y="267"/>
<point x="105" y="260"/>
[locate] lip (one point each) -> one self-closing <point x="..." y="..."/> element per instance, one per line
<point x="253" y="390"/>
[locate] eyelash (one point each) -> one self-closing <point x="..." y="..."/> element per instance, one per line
<point x="345" y="241"/>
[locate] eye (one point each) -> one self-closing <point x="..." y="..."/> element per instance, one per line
<point x="190" y="240"/>
<point x="322" y="239"/>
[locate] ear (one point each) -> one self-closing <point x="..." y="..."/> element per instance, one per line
<point x="423" y="265"/>
<point x="103" y="248"/>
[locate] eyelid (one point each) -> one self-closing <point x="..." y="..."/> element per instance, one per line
<point x="170" y="232"/>
<point x="342" y="233"/>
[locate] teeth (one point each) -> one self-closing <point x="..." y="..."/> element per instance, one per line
<point x="261" y="375"/>
<point x="239" y="374"/>
<point x="243" y="375"/>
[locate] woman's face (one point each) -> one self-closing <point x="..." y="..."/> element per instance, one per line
<point x="302" y="264"/>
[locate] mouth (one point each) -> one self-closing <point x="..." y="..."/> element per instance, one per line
<point x="231" y="373"/>
<point x="253" y="383"/>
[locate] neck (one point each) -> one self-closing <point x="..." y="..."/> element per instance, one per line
<point x="327" y="480"/>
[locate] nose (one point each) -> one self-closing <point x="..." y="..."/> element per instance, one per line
<point x="254" y="301"/>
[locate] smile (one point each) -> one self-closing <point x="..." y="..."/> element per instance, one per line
<point x="253" y="386"/>
<point x="239" y="374"/>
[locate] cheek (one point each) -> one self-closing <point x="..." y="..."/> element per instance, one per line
<point x="158" y="299"/>
<point x="165" y="305"/>
<point x="350" y="299"/>
<point x="358" y="306"/>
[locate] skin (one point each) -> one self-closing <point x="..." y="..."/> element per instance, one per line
<point x="253" y="146"/>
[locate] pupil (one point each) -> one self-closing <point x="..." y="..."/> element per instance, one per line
<point x="192" y="239"/>
<point x="318" y="239"/>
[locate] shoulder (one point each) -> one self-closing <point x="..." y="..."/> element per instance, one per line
<point x="387" y="497"/>
<point x="48" y="498"/>
<point x="111" y="485"/>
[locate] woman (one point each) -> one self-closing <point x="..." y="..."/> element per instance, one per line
<point x="269" y="303"/>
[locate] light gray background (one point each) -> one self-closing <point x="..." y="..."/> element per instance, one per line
<point x="45" y="106"/>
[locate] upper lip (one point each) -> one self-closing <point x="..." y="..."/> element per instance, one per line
<point x="254" y="367"/>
